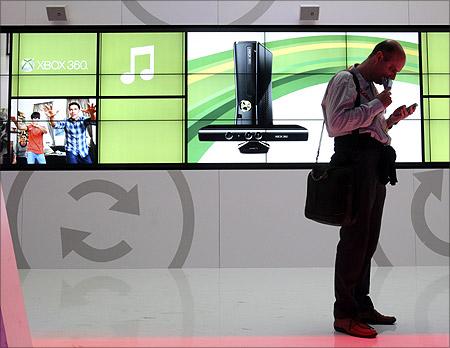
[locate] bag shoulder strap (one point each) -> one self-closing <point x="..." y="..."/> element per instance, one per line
<point x="356" y="104"/>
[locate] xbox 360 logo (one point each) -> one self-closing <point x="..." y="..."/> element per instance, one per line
<point x="245" y="105"/>
<point x="27" y="64"/>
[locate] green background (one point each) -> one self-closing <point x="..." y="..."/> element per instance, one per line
<point x="436" y="101"/>
<point x="54" y="47"/>
<point x="141" y="131"/>
<point x="168" y="62"/>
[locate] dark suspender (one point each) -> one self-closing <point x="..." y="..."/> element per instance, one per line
<point x="358" y="88"/>
<point x="358" y="94"/>
<point x="357" y="103"/>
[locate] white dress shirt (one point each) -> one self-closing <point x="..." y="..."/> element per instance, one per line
<point x="341" y="117"/>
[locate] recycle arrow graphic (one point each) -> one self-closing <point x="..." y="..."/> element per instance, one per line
<point x="21" y="182"/>
<point x="430" y="183"/>
<point x="73" y="240"/>
<point x="127" y="201"/>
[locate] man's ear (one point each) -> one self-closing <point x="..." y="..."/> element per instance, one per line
<point x="379" y="56"/>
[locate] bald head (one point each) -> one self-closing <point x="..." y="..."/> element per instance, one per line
<point x="386" y="60"/>
<point x="389" y="49"/>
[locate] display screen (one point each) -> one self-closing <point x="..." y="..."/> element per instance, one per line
<point x="50" y="130"/>
<point x="142" y="98"/>
<point x="436" y="93"/>
<point x="54" y="65"/>
<point x="196" y="97"/>
<point x="53" y="99"/>
<point x="302" y="66"/>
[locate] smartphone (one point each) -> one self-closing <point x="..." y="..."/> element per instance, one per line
<point x="387" y="83"/>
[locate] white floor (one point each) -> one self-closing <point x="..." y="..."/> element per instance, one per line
<point x="295" y="302"/>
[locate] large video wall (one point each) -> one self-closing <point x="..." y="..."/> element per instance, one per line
<point x="142" y="97"/>
<point x="436" y="96"/>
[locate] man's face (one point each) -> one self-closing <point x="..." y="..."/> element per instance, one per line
<point x="388" y="67"/>
<point x="74" y="112"/>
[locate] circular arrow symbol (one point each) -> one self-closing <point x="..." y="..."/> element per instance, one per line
<point x="127" y="201"/>
<point x="12" y="205"/>
<point x="73" y="240"/>
<point x="23" y="177"/>
<point x="430" y="183"/>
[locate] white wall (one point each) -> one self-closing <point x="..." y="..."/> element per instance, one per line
<point x="217" y="218"/>
<point x="266" y="12"/>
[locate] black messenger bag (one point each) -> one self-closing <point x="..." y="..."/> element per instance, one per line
<point x="330" y="188"/>
<point x="329" y="196"/>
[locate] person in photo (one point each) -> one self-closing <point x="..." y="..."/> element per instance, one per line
<point x="74" y="126"/>
<point x="36" y="131"/>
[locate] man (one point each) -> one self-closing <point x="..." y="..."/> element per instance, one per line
<point x="36" y="131"/>
<point x="20" y="151"/>
<point x="362" y="139"/>
<point x="77" y="150"/>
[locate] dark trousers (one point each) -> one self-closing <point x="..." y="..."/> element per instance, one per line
<point x="359" y="241"/>
<point x="77" y="159"/>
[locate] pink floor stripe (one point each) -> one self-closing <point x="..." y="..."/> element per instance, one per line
<point x="334" y="340"/>
<point x="15" y="319"/>
<point x="3" y="343"/>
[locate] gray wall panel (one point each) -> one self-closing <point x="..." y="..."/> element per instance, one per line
<point x="429" y="12"/>
<point x="430" y="215"/>
<point x="331" y="12"/>
<point x="12" y="12"/>
<point x="204" y="187"/>
<point x="228" y="218"/>
<point x="262" y="223"/>
<point x="397" y="229"/>
<point x="175" y="12"/>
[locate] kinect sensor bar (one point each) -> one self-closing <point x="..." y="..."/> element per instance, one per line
<point x="252" y="133"/>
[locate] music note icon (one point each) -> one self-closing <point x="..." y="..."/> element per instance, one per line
<point x="146" y="74"/>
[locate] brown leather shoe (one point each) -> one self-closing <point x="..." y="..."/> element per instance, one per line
<point x="354" y="328"/>
<point x="375" y="318"/>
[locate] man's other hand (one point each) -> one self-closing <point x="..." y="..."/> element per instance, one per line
<point x="399" y="114"/>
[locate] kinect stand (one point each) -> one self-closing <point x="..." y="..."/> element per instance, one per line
<point x="254" y="146"/>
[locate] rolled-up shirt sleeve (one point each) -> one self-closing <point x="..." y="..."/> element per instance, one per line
<point x="341" y="115"/>
<point x="59" y="124"/>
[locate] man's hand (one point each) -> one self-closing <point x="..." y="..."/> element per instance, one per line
<point x="20" y="126"/>
<point x="91" y="110"/>
<point x="41" y="127"/>
<point x="399" y="114"/>
<point x="48" y="109"/>
<point x="385" y="97"/>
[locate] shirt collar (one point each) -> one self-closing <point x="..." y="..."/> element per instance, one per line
<point x="363" y="84"/>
